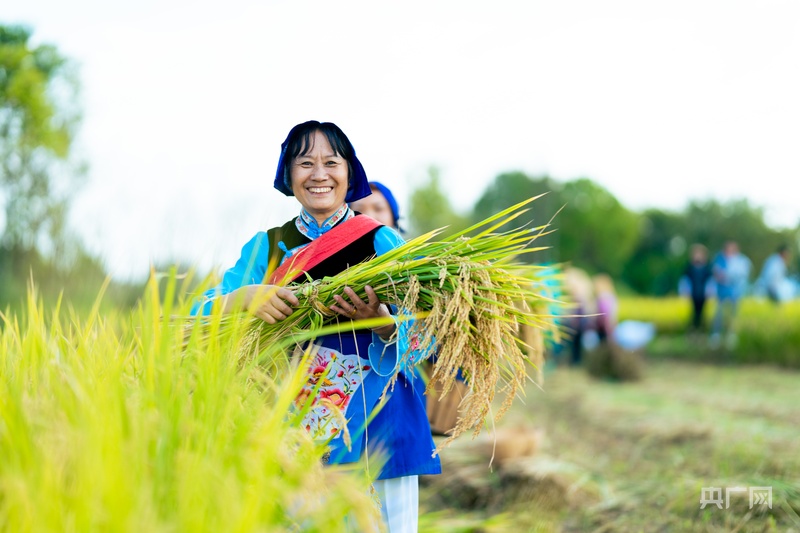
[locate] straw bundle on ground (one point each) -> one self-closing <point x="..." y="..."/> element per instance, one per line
<point x="464" y="294"/>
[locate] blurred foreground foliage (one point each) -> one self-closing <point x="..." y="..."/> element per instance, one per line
<point x="132" y="421"/>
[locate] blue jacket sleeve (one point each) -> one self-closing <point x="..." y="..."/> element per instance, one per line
<point x="387" y="239"/>
<point x="249" y="269"/>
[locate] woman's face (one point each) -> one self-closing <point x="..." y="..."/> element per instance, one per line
<point x="319" y="179"/>
<point x="376" y="206"/>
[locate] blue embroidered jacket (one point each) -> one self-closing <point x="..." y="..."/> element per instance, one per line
<point x="400" y="431"/>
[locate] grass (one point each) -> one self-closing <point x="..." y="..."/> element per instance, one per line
<point x="766" y="333"/>
<point x="635" y="456"/>
<point x="127" y="423"/>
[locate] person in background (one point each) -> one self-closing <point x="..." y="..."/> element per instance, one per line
<point x="380" y="205"/>
<point x="581" y="304"/>
<point x="607" y="307"/>
<point x="731" y="271"/>
<point x="695" y="283"/>
<point x="773" y="279"/>
<point x="318" y="166"/>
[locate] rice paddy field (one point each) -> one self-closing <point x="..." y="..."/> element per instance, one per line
<point x="766" y="332"/>
<point x="131" y="422"/>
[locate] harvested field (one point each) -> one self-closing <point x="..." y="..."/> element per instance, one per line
<point x="633" y="456"/>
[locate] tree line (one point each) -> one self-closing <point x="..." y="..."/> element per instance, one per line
<point x="646" y="252"/>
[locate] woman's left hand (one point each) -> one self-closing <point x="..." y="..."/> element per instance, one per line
<point x="358" y="309"/>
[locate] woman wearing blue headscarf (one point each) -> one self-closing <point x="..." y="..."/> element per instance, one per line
<point x="380" y="205"/>
<point x="319" y="167"/>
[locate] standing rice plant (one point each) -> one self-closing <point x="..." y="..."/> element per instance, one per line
<point x="123" y="423"/>
<point x="769" y="333"/>
<point x="467" y="295"/>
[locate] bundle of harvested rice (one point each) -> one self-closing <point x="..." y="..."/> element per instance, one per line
<point x="468" y="294"/>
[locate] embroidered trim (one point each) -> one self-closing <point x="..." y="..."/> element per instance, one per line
<point x="307" y="225"/>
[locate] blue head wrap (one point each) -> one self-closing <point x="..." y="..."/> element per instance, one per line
<point x="358" y="186"/>
<point x="384" y="190"/>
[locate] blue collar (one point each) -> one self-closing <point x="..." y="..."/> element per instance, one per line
<point x="307" y="224"/>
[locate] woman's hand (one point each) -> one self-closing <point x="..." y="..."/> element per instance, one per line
<point x="270" y="303"/>
<point x="358" y="309"/>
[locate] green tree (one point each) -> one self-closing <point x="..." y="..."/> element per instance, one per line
<point x="511" y="188"/>
<point x="659" y="257"/>
<point x="598" y="233"/>
<point x="591" y="229"/>
<point x="430" y="208"/>
<point x="661" y="254"/>
<point x="712" y="222"/>
<point x="38" y="121"/>
<point x="39" y="175"/>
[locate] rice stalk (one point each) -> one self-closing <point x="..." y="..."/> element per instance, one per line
<point x="468" y="294"/>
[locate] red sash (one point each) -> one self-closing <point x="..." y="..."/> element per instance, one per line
<point x="322" y="248"/>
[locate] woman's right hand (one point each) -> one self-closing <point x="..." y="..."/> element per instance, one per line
<point x="270" y="303"/>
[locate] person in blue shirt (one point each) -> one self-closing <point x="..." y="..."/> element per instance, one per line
<point x="731" y="271"/>
<point x="319" y="167"/>
<point x="773" y="280"/>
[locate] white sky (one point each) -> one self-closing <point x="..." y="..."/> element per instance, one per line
<point x="186" y="104"/>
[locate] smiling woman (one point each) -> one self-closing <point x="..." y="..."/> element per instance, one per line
<point x="319" y="178"/>
<point x="319" y="167"/>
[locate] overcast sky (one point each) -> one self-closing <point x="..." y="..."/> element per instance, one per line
<point x="186" y="104"/>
